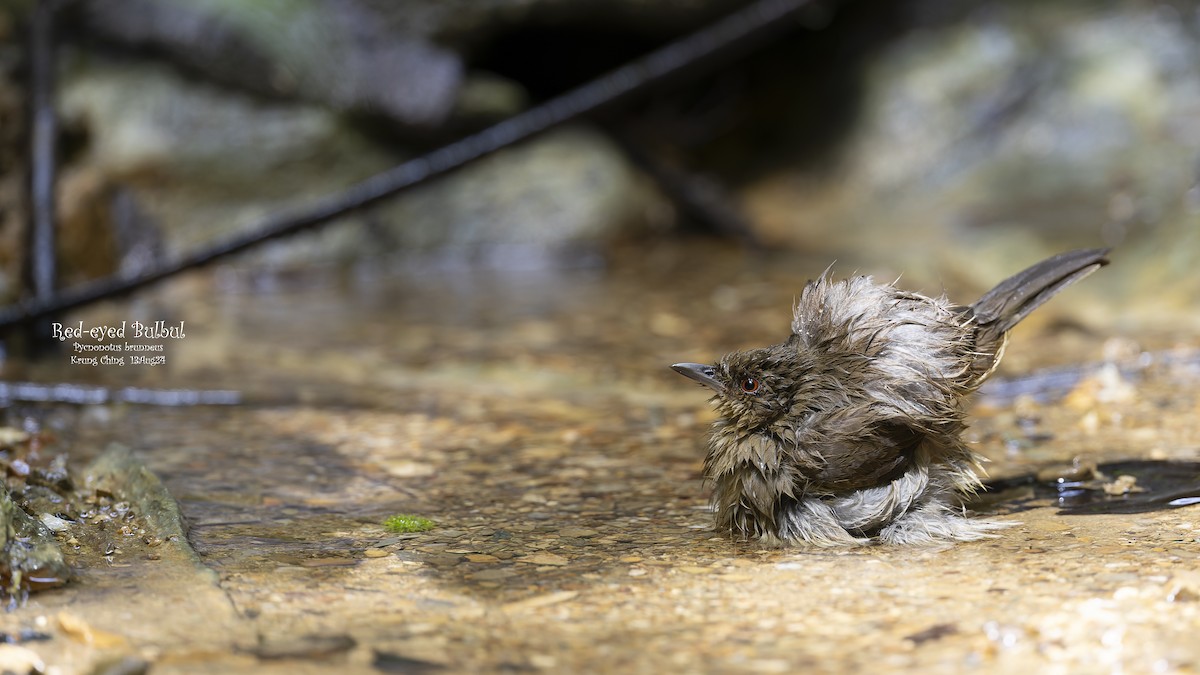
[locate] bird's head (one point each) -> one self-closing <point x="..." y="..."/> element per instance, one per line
<point x="753" y="388"/>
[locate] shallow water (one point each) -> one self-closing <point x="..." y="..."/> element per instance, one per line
<point x="532" y="416"/>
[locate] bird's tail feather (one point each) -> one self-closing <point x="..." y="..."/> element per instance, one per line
<point x="1014" y="298"/>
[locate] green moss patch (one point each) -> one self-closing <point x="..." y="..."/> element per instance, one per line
<point x="404" y="523"/>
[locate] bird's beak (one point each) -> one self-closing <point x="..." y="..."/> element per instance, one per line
<point x="706" y="375"/>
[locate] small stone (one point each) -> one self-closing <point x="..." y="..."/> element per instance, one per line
<point x="20" y="660"/>
<point x="544" y="452"/>
<point x="482" y="558"/>
<point x="385" y="662"/>
<point x="1090" y="423"/>
<point x="577" y="532"/>
<point x="408" y="469"/>
<point x="1124" y="484"/>
<point x="544" y="559"/>
<point x="12" y="436"/>
<point x="53" y="522"/>
<point x="1181" y="593"/>
<point x="392" y="540"/>
<point x="494" y="574"/>
<point x="934" y="632"/>
<point x="80" y="631"/>
<point x="442" y="560"/>
<point x="304" y="646"/>
<point x="1077" y="470"/>
<point x="376" y="553"/>
<point x="337" y="561"/>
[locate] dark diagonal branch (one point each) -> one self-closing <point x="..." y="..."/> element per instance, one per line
<point x="734" y="33"/>
<point x="698" y="197"/>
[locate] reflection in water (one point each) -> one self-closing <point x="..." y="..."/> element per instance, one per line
<point x="1134" y="486"/>
<point x="1051" y="384"/>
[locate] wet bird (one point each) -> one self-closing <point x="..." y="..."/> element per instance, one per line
<point x="849" y="431"/>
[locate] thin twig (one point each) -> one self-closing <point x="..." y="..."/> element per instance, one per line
<point x="736" y="32"/>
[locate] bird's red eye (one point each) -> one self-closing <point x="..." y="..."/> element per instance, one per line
<point x="750" y="385"/>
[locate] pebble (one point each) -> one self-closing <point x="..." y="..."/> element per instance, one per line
<point x="544" y="559"/>
<point x="442" y="560"/>
<point x="20" y="660"/>
<point x="81" y="631"/>
<point x="304" y="647"/>
<point x="54" y="523"/>
<point x="328" y="562"/>
<point x="494" y="574"/>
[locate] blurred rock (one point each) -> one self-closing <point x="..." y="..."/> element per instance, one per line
<point x="572" y="185"/>
<point x="198" y="162"/>
<point x="187" y="120"/>
<point x="340" y="54"/>
<point x="195" y="161"/>
<point x="86" y="227"/>
<point x="467" y="22"/>
<point x="403" y="60"/>
<point x="1044" y="127"/>
<point x="486" y="97"/>
<point x="146" y="123"/>
<point x="20" y="660"/>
